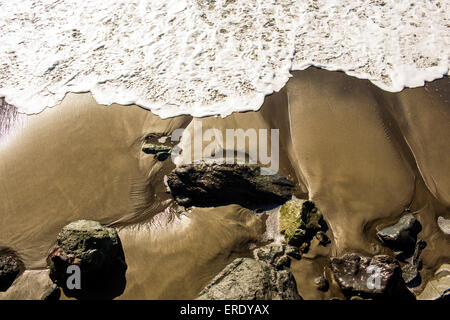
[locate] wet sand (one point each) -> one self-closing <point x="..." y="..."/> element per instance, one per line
<point x="362" y="154"/>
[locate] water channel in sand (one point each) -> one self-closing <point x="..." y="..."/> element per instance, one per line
<point x="362" y="154"/>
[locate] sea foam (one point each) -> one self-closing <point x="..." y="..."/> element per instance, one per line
<point x="206" y="57"/>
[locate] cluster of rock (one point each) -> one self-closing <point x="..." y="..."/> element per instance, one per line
<point x="402" y="239"/>
<point x="377" y="277"/>
<point x="382" y="276"/>
<point x="213" y="184"/>
<point x="97" y="253"/>
<point x="402" y="236"/>
<point x="262" y="278"/>
<point x="300" y="221"/>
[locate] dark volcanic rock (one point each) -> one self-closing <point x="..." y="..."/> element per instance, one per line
<point x="378" y="277"/>
<point x="420" y="245"/>
<point x="10" y="268"/>
<point x="402" y="236"/>
<point x="249" y="279"/>
<point x="206" y="185"/>
<point x="98" y="253"/>
<point x="410" y="271"/>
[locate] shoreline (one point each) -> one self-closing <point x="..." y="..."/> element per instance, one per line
<point x="361" y="154"/>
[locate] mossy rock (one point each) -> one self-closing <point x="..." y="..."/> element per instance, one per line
<point x="299" y="221"/>
<point x="151" y="148"/>
<point x="160" y="152"/>
<point x="98" y="253"/>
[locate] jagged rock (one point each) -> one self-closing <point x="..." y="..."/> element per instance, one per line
<point x="420" y="245"/>
<point x="321" y="283"/>
<point x="213" y="184"/>
<point x="378" y="277"/>
<point x="98" y="253"/>
<point x="402" y="236"/>
<point x="249" y="279"/>
<point x="410" y="272"/>
<point x="300" y="220"/>
<point x="439" y="286"/>
<point x="10" y="268"/>
<point x="32" y="285"/>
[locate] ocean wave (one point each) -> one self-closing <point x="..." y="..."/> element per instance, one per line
<point x="206" y="57"/>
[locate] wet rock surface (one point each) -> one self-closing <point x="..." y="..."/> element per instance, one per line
<point x="250" y="279"/>
<point x="10" y="268"/>
<point x="410" y="273"/>
<point x="32" y="285"/>
<point x="276" y="255"/>
<point x="300" y="221"/>
<point x="402" y="239"/>
<point x="402" y="236"/>
<point x="160" y="151"/>
<point x="378" y="277"/>
<point x="206" y="185"/>
<point x="97" y="252"/>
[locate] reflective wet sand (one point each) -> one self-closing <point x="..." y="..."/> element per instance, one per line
<point x="363" y="155"/>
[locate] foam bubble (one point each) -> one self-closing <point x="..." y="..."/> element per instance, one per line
<point x="209" y="57"/>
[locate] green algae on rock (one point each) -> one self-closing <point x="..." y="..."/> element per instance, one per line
<point x="160" y="151"/>
<point x="300" y="220"/>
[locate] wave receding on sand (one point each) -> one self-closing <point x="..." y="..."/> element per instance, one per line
<point x="210" y="57"/>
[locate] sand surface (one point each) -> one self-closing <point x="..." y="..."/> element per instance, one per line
<point x="362" y="154"/>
